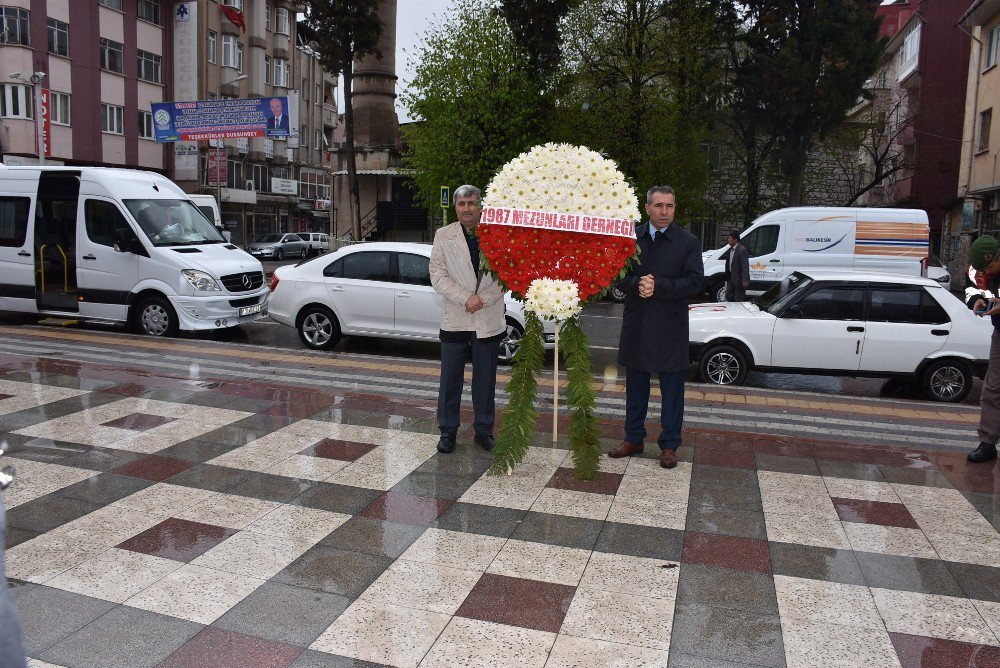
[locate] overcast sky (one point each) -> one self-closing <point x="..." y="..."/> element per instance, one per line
<point x="413" y="18"/>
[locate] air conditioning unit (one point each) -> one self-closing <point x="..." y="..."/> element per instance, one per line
<point x="250" y="185"/>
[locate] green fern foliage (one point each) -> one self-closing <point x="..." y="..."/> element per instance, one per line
<point x="584" y="437"/>
<point x="520" y="417"/>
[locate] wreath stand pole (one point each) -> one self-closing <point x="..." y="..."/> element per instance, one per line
<point x="555" y="390"/>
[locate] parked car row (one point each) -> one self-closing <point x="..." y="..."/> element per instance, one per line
<point x="289" y="245"/>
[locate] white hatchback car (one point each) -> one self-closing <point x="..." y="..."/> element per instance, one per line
<point x="846" y="324"/>
<point x="380" y="289"/>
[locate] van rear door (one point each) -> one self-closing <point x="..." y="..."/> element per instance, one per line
<point x="17" y="266"/>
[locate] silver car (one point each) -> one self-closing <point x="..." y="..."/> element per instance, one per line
<point x="279" y="246"/>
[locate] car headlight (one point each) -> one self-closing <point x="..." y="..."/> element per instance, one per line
<point x="201" y="281"/>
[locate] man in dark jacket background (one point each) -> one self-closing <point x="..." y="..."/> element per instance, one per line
<point x="654" y="336"/>
<point x="737" y="269"/>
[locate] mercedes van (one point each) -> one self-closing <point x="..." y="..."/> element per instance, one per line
<point x="827" y="238"/>
<point x="119" y="246"/>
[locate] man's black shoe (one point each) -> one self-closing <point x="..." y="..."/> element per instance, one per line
<point x="485" y="441"/>
<point x="447" y="443"/>
<point x="984" y="453"/>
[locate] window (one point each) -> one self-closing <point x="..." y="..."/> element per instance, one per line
<point x="102" y="220"/>
<point x="113" y="119"/>
<point x="212" y="42"/>
<point x="985" y="120"/>
<point x="762" y="241"/>
<point x="239" y="56"/>
<point x="906" y="305"/>
<point x="992" y="45"/>
<point x="267" y="69"/>
<point x="238" y="4"/>
<point x="367" y="266"/>
<point x="14" y="26"/>
<point x="839" y="302"/>
<point x="229" y="51"/>
<point x="149" y="67"/>
<point x="305" y="89"/>
<point x="15" y="101"/>
<point x="267" y="15"/>
<point x="58" y="37"/>
<point x="113" y="4"/>
<point x="319" y="95"/>
<point x="146" y="125"/>
<point x="303" y="137"/>
<point x="59" y="108"/>
<point x="316" y="140"/>
<point x="112" y="56"/>
<point x="13" y="221"/>
<point x="281" y="72"/>
<point x="149" y="10"/>
<point x="281" y="21"/>
<point x="414" y="269"/>
<point x="261" y="178"/>
<point x="334" y="269"/>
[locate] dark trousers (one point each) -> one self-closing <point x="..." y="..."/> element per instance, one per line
<point x="671" y="411"/>
<point x="484" y="383"/>
<point x="735" y="292"/>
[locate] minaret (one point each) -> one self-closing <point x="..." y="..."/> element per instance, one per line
<point x="375" y="121"/>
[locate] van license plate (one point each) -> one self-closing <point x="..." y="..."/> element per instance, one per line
<point x="249" y="310"/>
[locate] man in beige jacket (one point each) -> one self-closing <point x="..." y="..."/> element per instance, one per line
<point x="472" y="316"/>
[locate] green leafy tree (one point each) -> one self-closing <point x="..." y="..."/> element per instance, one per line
<point x="535" y="24"/>
<point x="476" y="108"/>
<point x="348" y="30"/>
<point x="806" y="64"/>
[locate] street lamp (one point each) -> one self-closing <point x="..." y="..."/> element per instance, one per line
<point x="35" y="81"/>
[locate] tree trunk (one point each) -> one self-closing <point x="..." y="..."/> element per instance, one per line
<point x="794" y="168"/>
<point x="352" y="167"/>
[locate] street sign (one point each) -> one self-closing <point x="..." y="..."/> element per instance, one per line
<point x="445" y="197"/>
<point x="217" y="164"/>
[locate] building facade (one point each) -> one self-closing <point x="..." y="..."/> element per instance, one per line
<point x="317" y="124"/>
<point x="99" y="64"/>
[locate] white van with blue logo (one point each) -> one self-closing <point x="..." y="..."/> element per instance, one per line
<point x="119" y="246"/>
<point x="821" y="238"/>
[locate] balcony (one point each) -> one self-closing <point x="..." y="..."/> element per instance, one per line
<point x="329" y="116"/>
<point x="902" y="190"/>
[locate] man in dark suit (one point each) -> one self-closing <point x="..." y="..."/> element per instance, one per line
<point x="654" y="336"/>
<point x="279" y="119"/>
<point x="737" y="269"/>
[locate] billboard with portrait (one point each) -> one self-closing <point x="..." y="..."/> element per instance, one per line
<point x="236" y="118"/>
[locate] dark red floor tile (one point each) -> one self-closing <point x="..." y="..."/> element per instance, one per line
<point x="875" y="512"/>
<point x="604" y="483"/>
<point x="783" y="449"/>
<point x="741" y="458"/>
<point x="527" y="603"/>
<point x="154" y="467"/>
<point x="922" y="652"/>
<point x="332" y="448"/>
<point x="180" y="540"/>
<point x="138" y="422"/>
<point x="407" y="509"/>
<point x="299" y="410"/>
<point x="745" y="554"/>
<point x="218" y="648"/>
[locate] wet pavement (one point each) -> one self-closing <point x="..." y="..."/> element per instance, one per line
<point x="203" y="503"/>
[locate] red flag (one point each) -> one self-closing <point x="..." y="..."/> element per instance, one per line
<point x="235" y="16"/>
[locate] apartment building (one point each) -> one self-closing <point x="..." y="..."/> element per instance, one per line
<point x="91" y="68"/>
<point x="317" y="124"/>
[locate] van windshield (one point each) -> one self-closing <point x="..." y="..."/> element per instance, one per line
<point x="173" y="222"/>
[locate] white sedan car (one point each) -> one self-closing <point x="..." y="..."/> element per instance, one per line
<point x="380" y="289"/>
<point x="846" y="324"/>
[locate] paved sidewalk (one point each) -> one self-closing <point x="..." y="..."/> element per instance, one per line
<point x="171" y="518"/>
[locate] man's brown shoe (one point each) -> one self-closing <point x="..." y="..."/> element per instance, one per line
<point x="626" y="449"/>
<point x="668" y="459"/>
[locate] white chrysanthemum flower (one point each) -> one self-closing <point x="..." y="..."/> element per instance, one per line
<point x="552" y="299"/>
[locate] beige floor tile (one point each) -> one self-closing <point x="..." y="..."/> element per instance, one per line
<point x="305" y="467"/>
<point x="868" y="490"/>
<point x="648" y="512"/>
<point x="573" y="503"/>
<point x="43" y="558"/>
<point x="826" y="602"/>
<point x="928" y="496"/>
<point x="457" y="549"/>
<point x="229" y="510"/>
<point x="932" y="615"/>
<point x="164" y="499"/>
<point x="299" y="522"/>
<point x="512" y="491"/>
<point x="630" y="575"/>
<point x="818" y="645"/>
<point x="889" y="540"/>
<point x="800" y="530"/>
<point x="472" y="643"/>
<point x="253" y="555"/>
<point x="109" y="525"/>
<point x="573" y="652"/>
<point x="388" y="634"/>
<point x="538" y="561"/>
<point x="115" y="575"/>
<point x="194" y="593"/>
<point x="966" y="549"/>
<point x="251" y="457"/>
<point x="957" y="518"/>
<point x="611" y="616"/>
<point x="422" y="586"/>
<point x="990" y="611"/>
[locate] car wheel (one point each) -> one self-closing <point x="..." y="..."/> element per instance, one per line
<point x="947" y="380"/>
<point x="154" y="316"/>
<point x="723" y="365"/>
<point x="616" y="293"/>
<point x="318" y="328"/>
<point x="510" y="342"/>
<point x="717" y="292"/>
<point x="305" y="253"/>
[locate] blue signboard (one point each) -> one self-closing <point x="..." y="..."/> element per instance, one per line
<point x="221" y="119"/>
